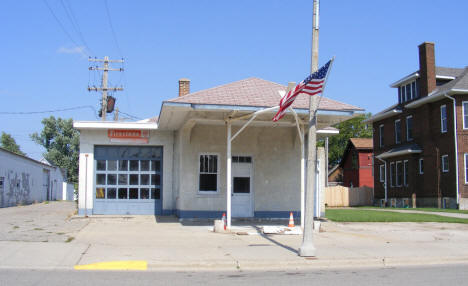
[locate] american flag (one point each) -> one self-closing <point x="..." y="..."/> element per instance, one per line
<point x="312" y="85"/>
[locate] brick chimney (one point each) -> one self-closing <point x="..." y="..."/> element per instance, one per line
<point x="427" y="73"/>
<point x="184" y="86"/>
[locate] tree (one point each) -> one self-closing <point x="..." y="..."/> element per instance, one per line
<point x="62" y="143"/>
<point x="9" y="143"/>
<point x="352" y="128"/>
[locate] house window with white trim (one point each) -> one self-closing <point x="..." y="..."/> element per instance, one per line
<point x="466" y="168"/>
<point x="445" y="163"/>
<point x="392" y="174"/>
<point x="421" y="166"/>
<point x="409" y="128"/>
<point x="381" y="135"/>
<point x="443" y="118"/>
<point x="405" y="172"/>
<point x="382" y="173"/>
<point x="208" y="173"/>
<point x="408" y="92"/>
<point x="397" y="131"/>
<point x="399" y="174"/>
<point x="465" y="114"/>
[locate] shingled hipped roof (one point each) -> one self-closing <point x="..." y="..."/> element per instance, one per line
<point x="256" y="92"/>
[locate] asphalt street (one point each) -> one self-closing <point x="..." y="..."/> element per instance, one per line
<point x="424" y="276"/>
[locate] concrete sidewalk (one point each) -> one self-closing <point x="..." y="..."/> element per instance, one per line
<point x="166" y="244"/>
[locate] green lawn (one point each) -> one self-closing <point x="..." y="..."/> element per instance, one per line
<point x="421" y="209"/>
<point x="368" y="215"/>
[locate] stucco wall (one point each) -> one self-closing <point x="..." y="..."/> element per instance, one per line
<point x="276" y="166"/>
<point x="90" y="138"/>
<point x="24" y="180"/>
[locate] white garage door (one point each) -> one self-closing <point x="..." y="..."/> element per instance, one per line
<point x="128" y="180"/>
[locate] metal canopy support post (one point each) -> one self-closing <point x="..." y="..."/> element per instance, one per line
<point x="326" y="162"/>
<point x="302" y="180"/>
<point x="228" y="176"/>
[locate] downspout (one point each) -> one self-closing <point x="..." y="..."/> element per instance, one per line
<point x="455" y="140"/>
<point x="385" y="179"/>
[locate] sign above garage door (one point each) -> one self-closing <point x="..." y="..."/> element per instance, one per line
<point x="128" y="136"/>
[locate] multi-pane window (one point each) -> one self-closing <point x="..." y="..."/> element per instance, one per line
<point x="392" y="174"/>
<point x="208" y="173"/>
<point x="397" y="131"/>
<point x="128" y="179"/>
<point x="443" y="118"/>
<point x="465" y="114"/>
<point x="381" y="135"/>
<point x="408" y="92"/>
<point x="382" y="173"/>
<point x="405" y="172"/>
<point x="399" y="174"/>
<point x="445" y="163"/>
<point x="409" y="128"/>
<point x="421" y="166"/>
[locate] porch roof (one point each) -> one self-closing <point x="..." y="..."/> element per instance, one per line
<point x="399" y="151"/>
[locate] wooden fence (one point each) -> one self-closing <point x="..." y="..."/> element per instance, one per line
<point x="339" y="196"/>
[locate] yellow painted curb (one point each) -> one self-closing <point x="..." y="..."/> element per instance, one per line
<point x="115" y="265"/>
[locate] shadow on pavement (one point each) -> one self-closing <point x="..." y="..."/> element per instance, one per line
<point x="270" y="238"/>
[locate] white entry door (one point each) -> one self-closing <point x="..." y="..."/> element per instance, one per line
<point x="242" y="192"/>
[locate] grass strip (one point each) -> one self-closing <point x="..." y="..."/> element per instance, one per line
<point x="419" y="209"/>
<point x="361" y="215"/>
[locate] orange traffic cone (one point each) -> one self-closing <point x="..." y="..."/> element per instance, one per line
<point x="291" y="220"/>
<point x="224" y="220"/>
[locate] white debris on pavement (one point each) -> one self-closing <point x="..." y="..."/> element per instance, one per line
<point x="273" y="229"/>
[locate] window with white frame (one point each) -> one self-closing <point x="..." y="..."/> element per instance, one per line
<point x="399" y="174"/>
<point x="208" y="176"/>
<point x="466" y="168"/>
<point x="421" y="166"/>
<point x="405" y="172"/>
<point x="392" y="174"/>
<point x="382" y="173"/>
<point x="409" y="128"/>
<point x="397" y="131"/>
<point x="381" y="135"/>
<point x="408" y="92"/>
<point x="445" y="163"/>
<point x="443" y="118"/>
<point x="465" y="114"/>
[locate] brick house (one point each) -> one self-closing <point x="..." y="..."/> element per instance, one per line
<point x="357" y="163"/>
<point x="419" y="158"/>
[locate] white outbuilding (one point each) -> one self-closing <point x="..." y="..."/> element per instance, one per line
<point x="24" y="180"/>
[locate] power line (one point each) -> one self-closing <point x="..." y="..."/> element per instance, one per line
<point x="61" y="25"/>
<point x="71" y="17"/>
<point x="129" y="115"/>
<point x="112" y="29"/>
<point x="49" y="111"/>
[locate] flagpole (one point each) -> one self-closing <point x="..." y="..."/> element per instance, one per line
<point x="307" y="247"/>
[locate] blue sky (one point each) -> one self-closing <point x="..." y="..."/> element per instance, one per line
<point x="212" y="43"/>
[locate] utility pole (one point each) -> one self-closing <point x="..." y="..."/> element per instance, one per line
<point x="104" y="88"/>
<point x="116" y="114"/>
<point x="307" y="247"/>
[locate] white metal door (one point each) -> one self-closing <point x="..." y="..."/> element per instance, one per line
<point x="242" y="192"/>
